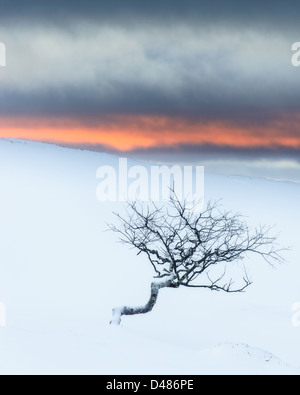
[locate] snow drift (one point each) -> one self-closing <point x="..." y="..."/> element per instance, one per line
<point x="61" y="274"/>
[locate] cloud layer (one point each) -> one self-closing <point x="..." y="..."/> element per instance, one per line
<point x="152" y="75"/>
<point x="192" y="72"/>
<point x="187" y="10"/>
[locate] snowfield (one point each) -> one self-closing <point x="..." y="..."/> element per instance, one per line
<point x="61" y="274"/>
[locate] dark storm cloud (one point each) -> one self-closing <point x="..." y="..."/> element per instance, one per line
<point x="209" y="70"/>
<point x="140" y="100"/>
<point x="192" y="61"/>
<point x="156" y="9"/>
<point x="187" y="72"/>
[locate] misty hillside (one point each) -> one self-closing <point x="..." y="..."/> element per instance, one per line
<point x="61" y="274"/>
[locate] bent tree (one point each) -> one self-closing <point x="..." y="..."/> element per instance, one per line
<point x="191" y="249"/>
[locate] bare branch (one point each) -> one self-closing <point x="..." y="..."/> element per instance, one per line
<point x="190" y="247"/>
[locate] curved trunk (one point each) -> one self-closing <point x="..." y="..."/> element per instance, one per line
<point x="125" y="310"/>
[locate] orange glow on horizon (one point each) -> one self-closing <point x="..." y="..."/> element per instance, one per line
<point x="127" y="133"/>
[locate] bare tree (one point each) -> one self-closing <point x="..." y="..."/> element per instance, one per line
<point x="191" y="249"/>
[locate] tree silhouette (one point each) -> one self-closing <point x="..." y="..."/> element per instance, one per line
<point x="191" y="249"/>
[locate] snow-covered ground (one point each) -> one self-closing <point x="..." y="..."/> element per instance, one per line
<point x="61" y="274"/>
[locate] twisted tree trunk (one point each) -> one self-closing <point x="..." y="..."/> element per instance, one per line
<point x="155" y="287"/>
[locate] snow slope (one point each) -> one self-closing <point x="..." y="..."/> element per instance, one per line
<point x="61" y="274"/>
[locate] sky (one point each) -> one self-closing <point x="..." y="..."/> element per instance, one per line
<point x="206" y="82"/>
